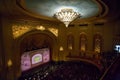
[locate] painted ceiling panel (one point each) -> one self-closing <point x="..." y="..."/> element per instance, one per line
<point x="87" y="8"/>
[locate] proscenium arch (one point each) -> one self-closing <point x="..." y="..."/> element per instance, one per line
<point x="17" y="45"/>
<point x="36" y="41"/>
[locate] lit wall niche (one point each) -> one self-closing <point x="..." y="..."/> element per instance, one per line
<point x="83" y="42"/>
<point x="70" y="42"/>
<point x="97" y="43"/>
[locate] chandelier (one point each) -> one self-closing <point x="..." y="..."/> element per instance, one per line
<point x="66" y="16"/>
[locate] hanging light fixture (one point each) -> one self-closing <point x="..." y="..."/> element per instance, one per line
<point x="67" y="16"/>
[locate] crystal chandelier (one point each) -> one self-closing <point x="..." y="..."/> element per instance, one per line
<point x="67" y="16"/>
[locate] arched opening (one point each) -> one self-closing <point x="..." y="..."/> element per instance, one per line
<point x="32" y="42"/>
<point x="97" y="43"/>
<point x="82" y="42"/>
<point x="35" y="49"/>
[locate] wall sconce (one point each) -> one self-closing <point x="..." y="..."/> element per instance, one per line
<point x="61" y="48"/>
<point x="9" y="63"/>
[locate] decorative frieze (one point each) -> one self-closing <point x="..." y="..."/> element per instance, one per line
<point x="19" y="30"/>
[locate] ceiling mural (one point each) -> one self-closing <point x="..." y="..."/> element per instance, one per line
<point x="86" y="8"/>
<point x="90" y="10"/>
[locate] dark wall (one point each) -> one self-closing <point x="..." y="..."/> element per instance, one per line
<point x="2" y="63"/>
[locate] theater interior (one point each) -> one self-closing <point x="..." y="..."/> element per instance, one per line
<point x="59" y="40"/>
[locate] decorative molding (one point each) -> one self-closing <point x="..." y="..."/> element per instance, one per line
<point x="19" y="30"/>
<point x="54" y="31"/>
<point x="42" y="28"/>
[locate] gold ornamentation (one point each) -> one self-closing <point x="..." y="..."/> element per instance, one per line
<point x="42" y="28"/>
<point x="19" y="30"/>
<point x="54" y="31"/>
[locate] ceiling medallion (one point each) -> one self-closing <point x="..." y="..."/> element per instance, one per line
<point x="66" y="16"/>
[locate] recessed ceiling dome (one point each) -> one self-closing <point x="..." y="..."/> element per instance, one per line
<point x="47" y="8"/>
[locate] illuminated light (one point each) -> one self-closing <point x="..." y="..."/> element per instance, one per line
<point x="117" y="48"/>
<point x="36" y="58"/>
<point x="9" y="63"/>
<point x="61" y="48"/>
<point x="82" y="48"/>
<point x="19" y="30"/>
<point x="66" y="16"/>
<point x="40" y="28"/>
<point x="54" y="31"/>
<point x="70" y="47"/>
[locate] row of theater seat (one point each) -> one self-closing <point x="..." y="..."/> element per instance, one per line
<point x="70" y="70"/>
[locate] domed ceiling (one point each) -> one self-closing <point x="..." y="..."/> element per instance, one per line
<point x="47" y="8"/>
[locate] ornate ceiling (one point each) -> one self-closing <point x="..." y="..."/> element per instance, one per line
<point x="44" y="9"/>
<point x="87" y="8"/>
<point x="47" y="8"/>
